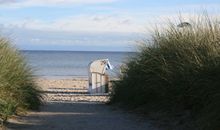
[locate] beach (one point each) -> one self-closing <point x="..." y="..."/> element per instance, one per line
<point x="46" y="83"/>
<point x="68" y="105"/>
<point x="80" y="116"/>
<point x="63" y="75"/>
<point x="70" y="89"/>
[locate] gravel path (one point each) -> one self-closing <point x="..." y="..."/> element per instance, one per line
<point x="80" y="116"/>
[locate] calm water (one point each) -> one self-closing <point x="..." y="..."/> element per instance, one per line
<point x="64" y="64"/>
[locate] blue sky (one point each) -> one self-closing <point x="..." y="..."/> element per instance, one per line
<point x="91" y="25"/>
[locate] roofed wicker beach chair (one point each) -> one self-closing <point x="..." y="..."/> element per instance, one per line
<point x="98" y="78"/>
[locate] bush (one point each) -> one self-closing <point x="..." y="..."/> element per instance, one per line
<point x="17" y="89"/>
<point x="178" y="69"/>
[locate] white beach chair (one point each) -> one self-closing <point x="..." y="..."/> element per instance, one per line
<point x="98" y="79"/>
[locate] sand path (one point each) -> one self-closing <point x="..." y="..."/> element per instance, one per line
<point x="80" y="116"/>
<point x="79" y="113"/>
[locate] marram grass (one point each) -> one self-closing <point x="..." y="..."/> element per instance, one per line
<point x="17" y="88"/>
<point x="178" y="69"/>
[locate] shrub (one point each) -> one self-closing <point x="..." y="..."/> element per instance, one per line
<point x="17" y="89"/>
<point x="178" y="69"/>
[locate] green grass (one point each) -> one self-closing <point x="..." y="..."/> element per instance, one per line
<point x="177" y="70"/>
<point x="17" y="88"/>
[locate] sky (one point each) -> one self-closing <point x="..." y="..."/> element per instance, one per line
<point x="91" y="25"/>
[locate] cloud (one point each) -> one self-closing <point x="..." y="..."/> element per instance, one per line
<point x="81" y="23"/>
<point x="33" y="39"/>
<point x="58" y="3"/>
<point x="6" y="1"/>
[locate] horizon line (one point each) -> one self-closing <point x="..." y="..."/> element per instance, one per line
<point x="76" y="50"/>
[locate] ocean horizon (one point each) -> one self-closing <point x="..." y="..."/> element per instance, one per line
<point x="70" y="64"/>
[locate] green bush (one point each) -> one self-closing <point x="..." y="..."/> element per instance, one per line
<point x="17" y="88"/>
<point x="178" y="69"/>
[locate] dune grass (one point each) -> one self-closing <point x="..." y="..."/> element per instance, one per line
<point x="177" y="70"/>
<point x="18" y="92"/>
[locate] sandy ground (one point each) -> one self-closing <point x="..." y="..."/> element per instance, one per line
<point x="77" y="115"/>
<point x="80" y="83"/>
<point x="68" y="90"/>
<point x="80" y="116"/>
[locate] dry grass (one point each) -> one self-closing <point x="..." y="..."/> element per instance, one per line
<point x="178" y="69"/>
<point x="17" y="89"/>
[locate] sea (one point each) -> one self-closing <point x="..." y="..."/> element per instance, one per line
<point x="71" y="64"/>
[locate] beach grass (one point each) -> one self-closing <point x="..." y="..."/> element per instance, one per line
<point x="18" y="91"/>
<point x="177" y="70"/>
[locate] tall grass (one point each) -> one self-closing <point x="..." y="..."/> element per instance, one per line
<point x="17" y="89"/>
<point x="178" y="69"/>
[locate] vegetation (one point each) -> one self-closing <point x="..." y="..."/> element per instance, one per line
<point x="177" y="70"/>
<point x="17" y="89"/>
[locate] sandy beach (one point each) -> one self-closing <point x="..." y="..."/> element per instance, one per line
<point x="46" y="83"/>
<point x="68" y="106"/>
<point x="80" y="116"/>
<point x="74" y="90"/>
